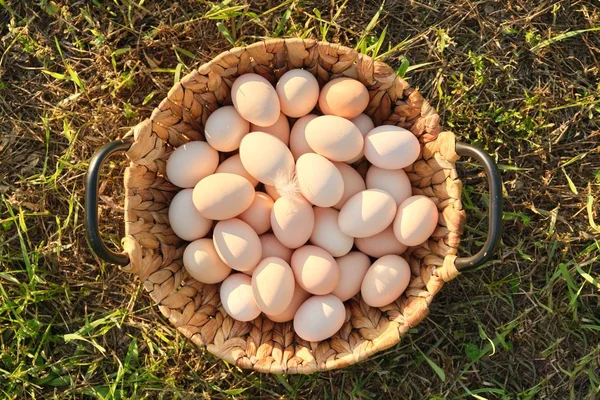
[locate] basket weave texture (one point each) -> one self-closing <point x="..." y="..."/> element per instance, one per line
<point x="194" y="308"/>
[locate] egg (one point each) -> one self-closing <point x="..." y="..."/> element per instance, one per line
<point x="416" y="220"/>
<point x="319" y="318"/>
<point x="316" y="271"/>
<point x="364" y="124"/>
<point x="319" y="180"/>
<point x="298" y="143"/>
<point x="271" y="247"/>
<point x="327" y="234"/>
<point x="367" y="213"/>
<point x="387" y="278"/>
<point x="300" y="296"/>
<point x="391" y="147"/>
<point x="273" y="285"/>
<point x="380" y="244"/>
<point x="237" y="298"/>
<point x="353" y="183"/>
<point x="280" y="129"/>
<point x="344" y="97"/>
<point x="222" y="196"/>
<point x="190" y="163"/>
<point x="298" y="92"/>
<point x="292" y="221"/>
<point x="258" y="215"/>
<point x="233" y="165"/>
<point x="393" y="181"/>
<point x="202" y="262"/>
<point x="225" y="128"/>
<point x="255" y="99"/>
<point x="185" y="221"/>
<point x="334" y="137"/>
<point x="353" y="267"/>
<point x="237" y="244"/>
<point x="272" y="191"/>
<point x="265" y="157"/>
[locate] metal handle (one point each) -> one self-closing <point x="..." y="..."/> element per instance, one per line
<point x="91" y="202"/>
<point x="494" y="212"/>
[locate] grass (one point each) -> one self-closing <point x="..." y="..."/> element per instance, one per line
<point x="517" y="78"/>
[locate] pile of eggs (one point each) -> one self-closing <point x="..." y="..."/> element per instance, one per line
<point x="285" y="223"/>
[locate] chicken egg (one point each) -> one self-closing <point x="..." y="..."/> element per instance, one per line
<point x="319" y="180"/>
<point x="387" y="278"/>
<point x="416" y="220"/>
<point x="298" y="92"/>
<point x="190" y="163"/>
<point x="237" y="244"/>
<point x="225" y="128"/>
<point x="222" y="196"/>
<point x="185" y="221"/>
<point x="319" y="318"/>
<point x="316" y="271"/>
<point x="344" y="97"/>
<point x="255" y="99"/>
<point x="367" y="213"/>
<point x="237" y="298"/>
<point x="292" y="221"/>
<point x="202" y="262"/>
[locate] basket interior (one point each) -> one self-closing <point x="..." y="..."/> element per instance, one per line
<point x="194" y="308"/>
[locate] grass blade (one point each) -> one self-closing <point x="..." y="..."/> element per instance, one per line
<point x="562" y="36"/>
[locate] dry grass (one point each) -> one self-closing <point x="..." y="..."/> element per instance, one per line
<point x="504" y="75"/>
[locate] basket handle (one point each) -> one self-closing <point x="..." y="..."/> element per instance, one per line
<point x="91" y="202"/>
<point x="494" y="212"/>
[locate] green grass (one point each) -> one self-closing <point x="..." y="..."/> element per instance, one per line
<point x="518" y="78"/>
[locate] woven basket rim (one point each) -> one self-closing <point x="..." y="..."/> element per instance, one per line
<point x="193" y="308"/>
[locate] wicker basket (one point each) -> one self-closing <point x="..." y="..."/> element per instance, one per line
<point x="154" y="252"/>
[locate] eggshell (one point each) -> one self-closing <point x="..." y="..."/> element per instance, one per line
<point x="273" y="285"/>
<point x="202" y="262"/>
<point x="334" y="137"/>
<point x="353" y="183"/>
<point x="364" y="124"/>
<point x="233" y="165"/>
<point x="393" y="181"/>
<point x="258" y="215"/>
<point x="225" y="128"/>
<point x="223" y="196"/>
<point x="300" y="296"/>
<point x="255" y="99"/>
<point x="387" y="278"/>
<point x="185" y="221"/>
<point x="319" y="318"/>
<point x="272" y="191"/>
<point x="315" y="269"/>
<point x="237" y="298"/>
<point x="292" y="221"/>
<point x="353" y="267"/>
<point x="327" y="235"/>
<point x="265" y="157"/>
<point x="367" y="213"/>
<point x="271" y="247"/>
<point x="320" y="181"/>
<point x="416" y="220"/>
<point x="298" y="92"/>
<point x="280" y="129"/>
<point x="237" y="244"/>
<point x="298" y="143"/>
<point x="391" y="147"/>
<point x="381" y="244"/>
<point x="190" y="163"/>
<point x="344" y="97"/>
